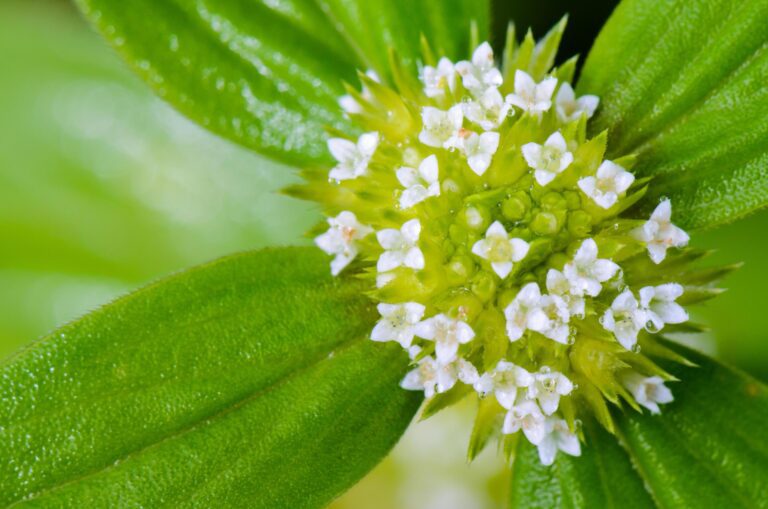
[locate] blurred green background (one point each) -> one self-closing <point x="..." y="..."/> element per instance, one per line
<point x="103" y="188"/>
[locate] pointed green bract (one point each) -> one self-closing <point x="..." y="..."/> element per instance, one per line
<point x="268" y="75"/>
<point x="682" y="84"/>
<point x="705" y="450"/>
<point x="248" y="380"/>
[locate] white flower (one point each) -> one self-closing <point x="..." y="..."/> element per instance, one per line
<point x="586" y="271"/>
<point x="352" y="158"/>
<point x="349" y="104"/>
<point x="551" y="318"/>
<point x="500" y="250"/>
<point x="489" y="110"/>
<point x="648" y="391"/>
<point x="478" y="149"/>
<point x="400" y="249"/>
<point x="431" y="376"/>
<point x="608" y="183"/>
<point x="548" y="160"/>
<point x="503" y="382"/>
<point x="660" y="234"/>
<point x="569" y="108"/>
<point x="384" y="278"/>
<point x="419" y="184"/>
<point x="397" y="321"/>
<point x="481" y="73"/>
<point x="527" y="416"/>
<point x="530" y="96"/>
<point x="557" y="436"/>
<point x="447" y="333"/>
<point x="436" y="79"/>
<point x="518" y="313"/>
<point x="660" y="307"/>
<point x="340" y="239"/>
<point x="625" y="319"/>
<point x="558" y="284"/>
<point x="547" y="387"/>
<point x="441" y="128"/>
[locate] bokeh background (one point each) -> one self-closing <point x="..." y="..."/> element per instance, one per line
<point x="104" y="188"/>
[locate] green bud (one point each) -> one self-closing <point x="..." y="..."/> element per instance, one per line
<point x="476" y="217"/>
<point x="545" y="223"/>
<point x="484" y="285"/>
<point x="579" y="223"/>
<point x="572" y="199"/>
<point x="553" y="201"/>
<point x="460" y="269"/>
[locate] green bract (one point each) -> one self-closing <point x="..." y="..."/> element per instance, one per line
<point x="250" y="381"/>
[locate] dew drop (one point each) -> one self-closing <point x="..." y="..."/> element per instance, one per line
<point x="636" y="348"/>
<point x="650" y="326"/>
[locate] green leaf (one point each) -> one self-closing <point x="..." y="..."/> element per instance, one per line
<point x="268" y="74"/>
<point x="682" y="84"/>
<point x="601" y="477"/>
<point x="245" y="381"/>
<point x="103" y="187"/>
<point x="709" y="447"/>
<point x="706" y="449"/>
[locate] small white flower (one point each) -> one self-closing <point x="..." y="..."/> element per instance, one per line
<point x="489" y="110"/>
<point x="547" y="387"/>
<point x="527" y="416"/>
<point x="436" y="79"/>
<point x="660" y="234"/>
<point x="349" y="104"/>
<point x="481" y="73"/>
<point x="518" y="313"/>
<point x="608" y="183"/>
<point x="548" y="160"/>
<point x="587" y="271"/>
<point x="478" y="149"/>
<point x="340" y="239"/>
<point x="557" y="436"/>
<point x="530" y="96"/>
<point x="558" y="284"/>
<point x="648" y="391"/>
<point x="419" y="184"/>
<point x="400" y="249"/>
<point x="551" y="318"/>
<point x="569" y="108"/>
<point x="447" y="333"/>
<point x="441" y="128"/>
<point x="352" y="158"/>
<point x="397" y="321"/>
<point x="625" y="319"/>
<point x="504" y="382"/>
<point x="500" y="250"/>
<point x="660" y="307"/>
<point x="433" y="377"/>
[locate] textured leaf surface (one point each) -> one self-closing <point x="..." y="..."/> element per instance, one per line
<point x="601" y="477"/>
<point x="268" y="74"/>
<point x="706" y="450"/>
<point x="246" y="381"/>
<point x="682" y="83"/>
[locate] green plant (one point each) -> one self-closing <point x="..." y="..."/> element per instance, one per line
<point x="251" y="377"/>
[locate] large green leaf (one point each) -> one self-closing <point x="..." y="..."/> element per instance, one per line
<point x="708" y="449"/>
<point x="682" y="84"/>
<point x="248" y="381"/>
<point x="268" y="74"/>
<point x="103" y="187"/>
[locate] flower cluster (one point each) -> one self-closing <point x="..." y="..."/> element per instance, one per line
<point x="500" y="244"/>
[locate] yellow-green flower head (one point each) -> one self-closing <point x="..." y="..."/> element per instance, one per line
<point x="501" y="246"/>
